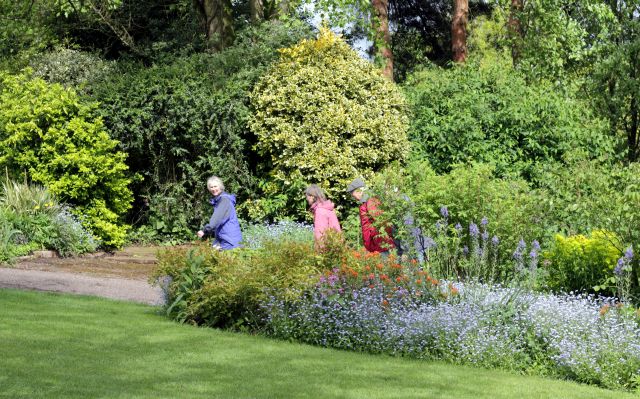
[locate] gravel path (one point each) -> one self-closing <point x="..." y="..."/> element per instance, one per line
<point x="107" y="287"/>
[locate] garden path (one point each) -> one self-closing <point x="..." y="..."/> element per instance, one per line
<point x="122" y="275"/>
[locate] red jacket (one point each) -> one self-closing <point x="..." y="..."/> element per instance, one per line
<point x="373" y="242"/>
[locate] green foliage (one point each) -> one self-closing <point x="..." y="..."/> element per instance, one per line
<point x="613" y="85"/>
<point x="589" y="195"/>
<point x="71" y="68"/>
<point x="186" y="119"/>
<point x="49" y="136"/>
<point x="225" y="288"/>
<point x="316" y="126"/>
<point x="472" y="193"/>
<point x="490" y="114"/>
<point x="26" y="28"/>
<point x="579" y="262"/>
<point x="33" y="219"/>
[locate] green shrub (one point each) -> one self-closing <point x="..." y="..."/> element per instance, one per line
<point x="470" y="193"/>
<point x="39" y="221"/>
<point x="588" y="195"/>
<point x="225" y="288"/>
<point x="185" y="119"/>
<point x="71" y="68"/>
<point x="490" y="114"/>
<point x="325" y="115"/>
<point x="49" y="136"/>
<point x="581" y="262"/>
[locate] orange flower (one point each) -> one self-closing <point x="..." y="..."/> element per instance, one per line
<point x="413" y="261"/>
<point x="371" y="286"/>
<point x="454" y="291"/>
<point x="604" y="309"/>
<point x="379" y="266"/>
<point x="398" y="279"/>
<point x="371" y="276"/>
<point x="367" y="268"/>
<point x="418" y="281"/>
<point x="385" y="303"/>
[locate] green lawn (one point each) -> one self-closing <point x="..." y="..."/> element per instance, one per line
<point x="61" y="346"/>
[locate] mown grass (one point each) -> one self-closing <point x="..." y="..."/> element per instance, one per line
<point x="61" y="346"/>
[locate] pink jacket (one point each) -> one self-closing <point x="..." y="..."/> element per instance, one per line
<point x="324" y="217"/>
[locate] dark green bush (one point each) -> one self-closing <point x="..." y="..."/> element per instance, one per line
<point x="186" y="119"/>
<point x="490" y="114"/>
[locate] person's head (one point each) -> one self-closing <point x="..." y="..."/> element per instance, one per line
<point x="314" y="193"/>
<point x="215" y="185"/>
<point x="356" y="188"/>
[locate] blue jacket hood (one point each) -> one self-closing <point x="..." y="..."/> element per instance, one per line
<point x="232" y="198"/>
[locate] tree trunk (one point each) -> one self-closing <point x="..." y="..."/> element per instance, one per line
<point x="382" y="42"/>
<point x="218" y="22"/>
<point x="256" y="9"/>
<point x="283" y="7"/>
<point x="459" y="30"/>
<point x="515" y="29"/>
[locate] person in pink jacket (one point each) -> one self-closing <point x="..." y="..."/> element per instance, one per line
<point x="324" y="215"/>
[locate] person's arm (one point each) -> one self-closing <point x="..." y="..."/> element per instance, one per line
<point x="220" y="215"/>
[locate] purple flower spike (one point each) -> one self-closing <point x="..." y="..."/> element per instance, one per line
<point x="628" y="254"/>
<point x="444" y="212"/>
<point x="619" y="269"/>
<point x="535" y="245"/>
<point x="484" y="221"/>
<point x="473" y="229"/>
<point x="495" y="240"/>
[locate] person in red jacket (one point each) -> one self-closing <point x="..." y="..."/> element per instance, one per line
<point x="324" y="214"/>
<point x="369" y="211"/>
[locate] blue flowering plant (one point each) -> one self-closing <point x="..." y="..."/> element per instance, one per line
<point x="456" y="253"/>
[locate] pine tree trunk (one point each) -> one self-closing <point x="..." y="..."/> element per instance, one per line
<point x="382" y="43"/>
<point x="459" y="30"/>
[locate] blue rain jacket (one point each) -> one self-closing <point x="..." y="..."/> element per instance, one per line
<point x="224" y="225"/>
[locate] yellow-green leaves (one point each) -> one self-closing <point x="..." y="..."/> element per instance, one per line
<point x="327" y="114"/>
<point x="49" y="136"/>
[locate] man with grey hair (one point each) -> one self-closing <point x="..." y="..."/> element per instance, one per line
<point x="369" y="211"/>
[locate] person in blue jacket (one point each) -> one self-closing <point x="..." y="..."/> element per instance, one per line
<point x="223" y="225"/>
